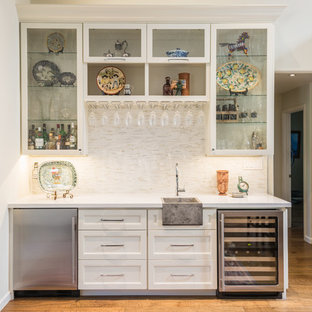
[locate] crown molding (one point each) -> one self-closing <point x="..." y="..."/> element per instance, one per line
<point x="151" y="13"/>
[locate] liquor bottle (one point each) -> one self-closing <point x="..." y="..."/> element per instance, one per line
<point x="67" y="140"/>
<point x="59" y="142"/>
<point x="73" y="137"/>
<point x="45" y="134"/>
<point x="63" y="135"/>
<point x="32" y="133"/>
<point x="51" y="142"/>
<point x="31" y="145"/>
<point x="57" y="132"/>
<point x="39" y="141"/>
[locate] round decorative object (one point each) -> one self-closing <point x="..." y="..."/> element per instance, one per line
<point x="46" y="73"/>
<point x="57" y="176"/>
<point x="111" y="80"/>
<point x="56" y="42"/>
<point x="67" y="79"/>
<point x="242" y="186"/>
<point x="238" y="76"/>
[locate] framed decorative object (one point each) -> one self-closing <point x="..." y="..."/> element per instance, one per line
<point x="111" y="80"/>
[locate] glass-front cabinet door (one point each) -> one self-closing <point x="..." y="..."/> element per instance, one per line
<point x="51" y="89"/>
<point x="242" y="98"/>
<point x="179" y="43"/>
<point x="114" y="43"/>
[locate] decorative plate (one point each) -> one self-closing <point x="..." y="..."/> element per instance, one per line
<point x="238" y="76"/>
<point x="56" y="42"/>
<point x="46" y="73"/>
<point x="57" y="176"/>
<point x="67" y="79"/>
<point x="111" y="80"/>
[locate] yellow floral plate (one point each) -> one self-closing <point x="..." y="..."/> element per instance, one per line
<point x="111" y="80"/>
<point x="238" y="76"/>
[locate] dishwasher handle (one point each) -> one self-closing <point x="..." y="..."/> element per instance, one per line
<point x="74" y="250"/>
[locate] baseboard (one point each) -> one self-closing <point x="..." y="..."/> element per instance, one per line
<point x="5" y="300"/>
<point x="308" y="239"/>
<point x="147" y="293"/>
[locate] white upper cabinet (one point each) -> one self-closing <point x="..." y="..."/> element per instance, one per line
<point x="242" y="90"/>
<point x="178" y="43"/>
<point x="114" y="43"/>
<point x="52" y="91"/>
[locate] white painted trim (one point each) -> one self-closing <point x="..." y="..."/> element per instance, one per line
<point x="5" y="300"/>
<point x="206" y="292"/>
<point x="286" y="158"/>
<point x="152" y="13"/>
<point x="308" y="239"/>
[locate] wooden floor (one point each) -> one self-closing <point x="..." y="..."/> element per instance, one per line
<point x="299" y="296"/>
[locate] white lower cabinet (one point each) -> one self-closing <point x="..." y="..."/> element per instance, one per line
<point x="112" y="274"/>
<point x="182" y="274"/>
<point x="182" y="244"/>
<point x="118" y="252"/>
<point x="112" y="245"/>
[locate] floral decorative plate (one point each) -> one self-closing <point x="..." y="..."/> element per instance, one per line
<point x="56" y="42"/>
<point x="46" y="73"/>
<point x="111" y="80"/>
<point x="67" y="79"/>
<point x="58" y="176"/>
<point x="238" y="76"/>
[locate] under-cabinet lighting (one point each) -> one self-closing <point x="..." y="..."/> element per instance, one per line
<point x="292" y="75"/>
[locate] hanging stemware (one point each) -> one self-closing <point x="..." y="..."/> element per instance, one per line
<point x="152" y="117"/>
<point x="141" y="118"/>
<point x="188" y="119"/>
<point x="128" y="118"/>
<point x="116" y="117"/>
<point x="164" y="119"/>
<point x="176" y="117"/>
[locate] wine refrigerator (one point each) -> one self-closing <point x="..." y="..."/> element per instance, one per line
<point x="250" y="251"/>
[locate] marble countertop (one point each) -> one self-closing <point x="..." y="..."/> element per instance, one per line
<point x="252" y="201"/>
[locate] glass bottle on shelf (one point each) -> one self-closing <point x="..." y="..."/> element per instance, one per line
<point x="39" y="141"/>
<point x="63" y="136"/>
<point x="73" y="137"/>
<point x="45" y="134"/>
<point x="67" y="140"/>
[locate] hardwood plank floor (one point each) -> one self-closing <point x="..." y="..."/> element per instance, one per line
<point x="299" y="295"/>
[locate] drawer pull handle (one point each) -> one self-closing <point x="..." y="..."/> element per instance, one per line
<point x="112" y="275"/>
<point x="112" y="220"/>
<point x="183" y="245"/>
<point x="115" y="59"/>
<point x="113" y="245"/>
<point x="178" y="59"/>
<point x="182" y="275"/>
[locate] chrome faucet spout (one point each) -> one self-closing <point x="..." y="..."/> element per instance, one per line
<point x="178" y="190"/>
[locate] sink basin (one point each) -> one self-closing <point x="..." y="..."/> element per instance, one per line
<point x="182" y="211"/>
<point x="180" y="200"/>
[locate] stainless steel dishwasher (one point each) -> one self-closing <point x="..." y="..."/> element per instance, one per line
<point x="44" y="249"/>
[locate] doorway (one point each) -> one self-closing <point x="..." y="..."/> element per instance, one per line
<point x="296" y="175"/>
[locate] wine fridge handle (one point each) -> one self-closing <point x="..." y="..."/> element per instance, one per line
<point x="221" y="250"/>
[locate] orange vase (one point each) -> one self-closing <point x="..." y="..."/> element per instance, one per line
<point x="222" y="181"/>
<point x="185" y="77"/>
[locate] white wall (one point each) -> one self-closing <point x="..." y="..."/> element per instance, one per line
<point x="11" y="164"/>
<point x="287" y="102"/>
<point x="294" y="37"/>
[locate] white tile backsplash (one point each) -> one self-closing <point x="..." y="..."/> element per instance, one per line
<point x="133" y="159"/>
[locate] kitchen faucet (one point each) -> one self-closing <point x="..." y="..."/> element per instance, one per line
<point x="177" y="180"/>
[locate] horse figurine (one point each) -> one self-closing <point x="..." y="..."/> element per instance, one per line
<point x="238" y="46"/>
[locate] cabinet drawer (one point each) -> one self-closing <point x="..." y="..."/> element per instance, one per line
<point x="182" y="274"/>
<point x="112" y="219"/>
<point x="182" y="244"/>
<point x="155" y="220"/>
<point x="112" y="274"/>
<point x="112" y="244"/>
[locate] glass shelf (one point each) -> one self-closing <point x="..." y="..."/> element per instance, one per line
<point x="241" y="122"/>
<point x="52" y="53"/>
<point x="51" y="87"/>
<point x="239" y="96"/>
<point x="52" y="120"/>
<point x="240" y="56"/>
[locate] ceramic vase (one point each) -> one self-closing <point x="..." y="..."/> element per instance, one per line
<point x="222" y="181"/>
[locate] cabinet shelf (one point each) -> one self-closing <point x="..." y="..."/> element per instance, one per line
<point x="51" y="53"/>
<point x="241" y="123"/>
<point x="242" y="56"/>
